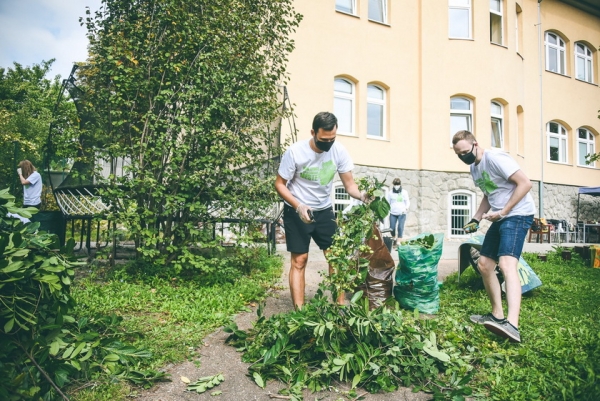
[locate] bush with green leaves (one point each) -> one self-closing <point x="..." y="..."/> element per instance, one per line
<point x="42" y="347"/>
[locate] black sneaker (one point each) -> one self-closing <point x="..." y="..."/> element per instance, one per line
<point x="481" y="319"/>
<point x="503" y="329"/>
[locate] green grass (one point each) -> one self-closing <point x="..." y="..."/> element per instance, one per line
<point x="559" y="357"/>
<point x="172" y="314"/>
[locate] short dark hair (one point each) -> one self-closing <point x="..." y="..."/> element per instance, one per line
<point x="397" y="181"/>
<point x="324" y="120"/>
<point x="464" y="134"/>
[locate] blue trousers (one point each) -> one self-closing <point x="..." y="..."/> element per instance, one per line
<point x="398" y="220"/>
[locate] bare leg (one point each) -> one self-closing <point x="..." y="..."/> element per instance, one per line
<point x="487" y="268"/>
<point x="341" y="300"/>
<point x="508" y="266"/>
<point x="296" y="278"/>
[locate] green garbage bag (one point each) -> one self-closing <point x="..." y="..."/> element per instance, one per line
<point x="416" y="283"/>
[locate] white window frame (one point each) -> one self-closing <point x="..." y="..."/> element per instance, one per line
<point x="589" y="142"/>
<point x="461" y="113"/>
<point x="457" y="221"/>
<point x="560" y="47"/>
<point x="587" y="59"/>
<point x="499" y="14"/>
<point x="498" y="119"/>
<point x="352" y="6"/>
<point x="562" y="137"/>
<point x="345" y="96"/>
<point x="459" y="5"/>
<point x="383" y="5"/>
<point x="382" y="104"/>
<point x="339" y="197"/>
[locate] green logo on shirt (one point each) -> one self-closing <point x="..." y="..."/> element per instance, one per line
<point x="486" y="184"/>
<point x="323" y="174"/>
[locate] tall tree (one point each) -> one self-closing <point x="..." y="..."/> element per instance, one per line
<point x="186" y="91"/>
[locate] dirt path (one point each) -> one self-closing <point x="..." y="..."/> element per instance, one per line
<point x="217" y="357"/>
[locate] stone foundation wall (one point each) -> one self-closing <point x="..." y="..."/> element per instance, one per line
<point x="428" y="192"/>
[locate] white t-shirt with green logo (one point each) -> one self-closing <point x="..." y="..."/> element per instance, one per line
<point x="399" y="202"/>
<point x="310" y="174"/>
<point x="491" y="176"/>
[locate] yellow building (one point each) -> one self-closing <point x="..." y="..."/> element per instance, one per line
<point x="403" y="76"/>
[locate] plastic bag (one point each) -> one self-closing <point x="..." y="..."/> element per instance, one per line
<point x="379" y="282"/>
<point x="417" y="285"/>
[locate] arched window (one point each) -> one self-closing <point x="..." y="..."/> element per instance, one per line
<point x="375" y="111"/>
<point x="583" y="63"/>
<point x="459" y="19"/>
<point x="555" y="53"/>
<point x="585" y="146"/>
<point x="557" y="142"/>
<point x="461" y="208"/>
<point x="497" y="125"/>
<point x="343" y="105"/>
<point x="461" y="115"/>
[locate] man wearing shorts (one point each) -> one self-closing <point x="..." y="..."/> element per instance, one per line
<point x="508" y="204"/>
<point x="304" y="181"/>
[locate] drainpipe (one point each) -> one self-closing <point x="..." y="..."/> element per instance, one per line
<point x="540" y="49"/>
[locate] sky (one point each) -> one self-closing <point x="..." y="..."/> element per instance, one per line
<point x="36" y="30"/>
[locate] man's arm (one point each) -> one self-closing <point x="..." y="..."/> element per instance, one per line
<point x="350" y="186"/>
<point x="523" y="186"/>
<point x="484" y="207"/>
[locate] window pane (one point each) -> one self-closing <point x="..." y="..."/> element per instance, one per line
<point x="554" y="149"/>
<point x="496" y="133"/>
<point x="458" y="103"/>
<point x="376" y="10"/>
<point x="552" y="56"/>
<point x="495" y="28"/>
<point x="580" y="68"/>
<point x="458" y="23"/>
<point x="343" y="112"/>
<point x="459" y="122"/>
<point x="553" y="127"/>
<point x="561" y="54"/>
<point x="563" y="150"/>
<point x="341" y="85"/>
<point x="344" y="5"/>
<point x="375" y="120"/>
<point x="582" y="133"/>
<point x="580" y="48"/>
<point x="496" y="109"/>
<point x="550" y="38"/>
<point x="582" y="153"/>
<point x="588" y="73"/>
<point x="374" y="92"/>
<point x="495" y="5"/>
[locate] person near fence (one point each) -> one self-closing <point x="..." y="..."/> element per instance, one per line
<point x="304" y="181"/>
<point x="508" y="204"/>
<point x="399" y="204"/>
<point x="32" y="184"/>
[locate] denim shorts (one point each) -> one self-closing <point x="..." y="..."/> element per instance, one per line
<point x="506" y="237"/>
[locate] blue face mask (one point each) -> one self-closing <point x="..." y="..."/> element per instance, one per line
<point x="324" y="146"/>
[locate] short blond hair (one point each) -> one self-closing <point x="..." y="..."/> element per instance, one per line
<point x="464" y="134"/>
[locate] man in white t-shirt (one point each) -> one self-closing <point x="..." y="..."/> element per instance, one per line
<point x="508" y="204"/>
<point x="304" y="181"/>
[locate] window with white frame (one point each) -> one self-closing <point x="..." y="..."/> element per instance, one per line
<point x="496" y="21"/>
<point x="557" y="142"/>
<point x="585" y="146"/>
<point x="459" y="19"/>
<point x="375" y="111"/>
<point x="583" y="63"/>
<point x="461" y="208"/>
<point x="497" y="125"/>
<point x="341" y="199"/>
<point x="555" y="53"/>
<point x="461" y="115"/>
<point x="378" y="10"/>
<point x="343" y="105"/>
<point x="346" y="6"/>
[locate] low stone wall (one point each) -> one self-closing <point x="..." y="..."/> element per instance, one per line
<point x="429" y="191"/>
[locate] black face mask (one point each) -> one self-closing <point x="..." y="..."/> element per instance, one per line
<point x="324" y="146"/>
<point x="469" y="158"/>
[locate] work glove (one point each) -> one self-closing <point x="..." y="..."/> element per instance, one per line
<point x="305" y="213"/>
<point x="365" y="198"/>
<point x="471" y="226"/>
<point x="19" y="171"/>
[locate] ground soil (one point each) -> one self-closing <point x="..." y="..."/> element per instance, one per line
<point x="218" y="357"/>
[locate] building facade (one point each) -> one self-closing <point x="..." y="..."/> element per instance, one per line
<point x="403" y="76"/>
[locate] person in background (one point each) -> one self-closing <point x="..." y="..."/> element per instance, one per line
<point x="304" y="181"/>
<point x="508" y="204"/>
<point x="32" y="184"/>
<point x="399" y="204"/>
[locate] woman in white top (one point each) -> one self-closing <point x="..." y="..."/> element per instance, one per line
<point x="32" y="184"/>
